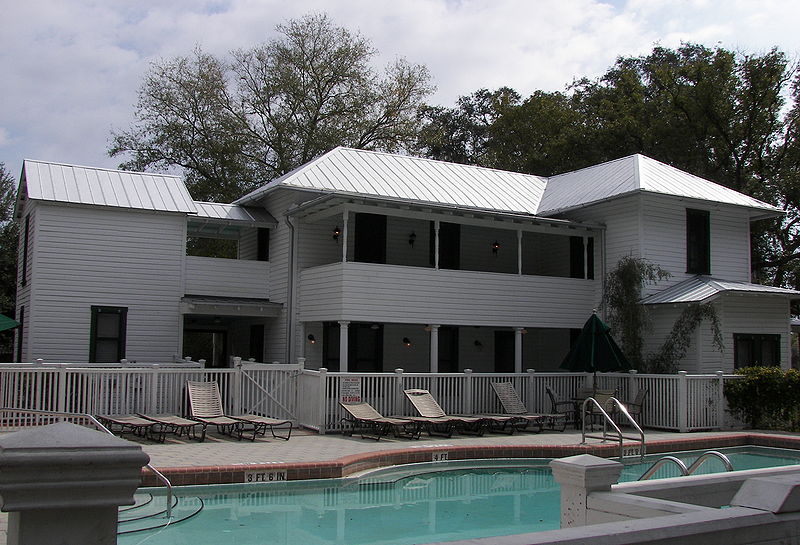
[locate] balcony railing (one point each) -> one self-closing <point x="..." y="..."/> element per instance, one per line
<point x="226" y="277"/>
<point x="369" y="291"/>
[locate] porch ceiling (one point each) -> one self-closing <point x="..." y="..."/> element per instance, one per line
<point x="229" y="306"/>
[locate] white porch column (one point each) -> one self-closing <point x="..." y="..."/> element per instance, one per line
<point x="519" y="252"/>
<point x="518" y="331"/>
<point x="345" y="217"/>
<point x="434" y="348"/>
<point x="343" y="348"/>
<point x="436" y="245"/>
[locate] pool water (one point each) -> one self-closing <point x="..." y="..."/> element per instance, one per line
<point x="420" y="504"/>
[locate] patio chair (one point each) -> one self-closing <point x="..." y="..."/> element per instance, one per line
<point x="437" y="422"/>
<point x="363" y="418"/>
<point x="636" y="406"/>
<point x="122" y="423"/>
<point x="174" y="424"/>
<point x="205" y="406"/>
<point x="513" y="405"/>
<point x="593" y="415"/>
<point x="563" y="406"/>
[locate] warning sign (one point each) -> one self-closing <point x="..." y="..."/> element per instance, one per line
<point x="350" y="390"/>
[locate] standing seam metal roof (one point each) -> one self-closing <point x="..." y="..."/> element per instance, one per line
<point x="104" y="187"/>
<point x="698" y="289"/>
<point x="360" y="172"/>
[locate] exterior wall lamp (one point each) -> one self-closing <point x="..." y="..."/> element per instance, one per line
<point x="495" y="247"/>
<point x="312" y="339"/>
<point x="407" y="342"/>
<point x="412" y="238"/>
<point x="336" y="233"/>
<point x="478" y="345"/>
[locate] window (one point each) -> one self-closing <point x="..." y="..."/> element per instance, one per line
<point x="698" y="242"/>
<point x="25" y="242"/>
<point x="107" y="337"/>
<point x="756" y="349"/>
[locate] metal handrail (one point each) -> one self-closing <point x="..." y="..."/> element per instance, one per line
<point x="660" y="462"/>
<point x="705" y="456"/>
<point x="160" y="476"/>
<point x="608" y="420"/>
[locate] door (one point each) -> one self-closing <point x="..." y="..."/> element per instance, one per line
<point x="370" y="238"/>
<point x="365" y="347"/>
<point x="208" y="345"/>
<point x="503" y="351"/>
<point x="448" y="350"/>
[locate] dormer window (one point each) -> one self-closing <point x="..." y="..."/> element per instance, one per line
<point x="698" y="241"/>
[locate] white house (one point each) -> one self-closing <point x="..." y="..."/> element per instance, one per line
<point x="368" y="261"/>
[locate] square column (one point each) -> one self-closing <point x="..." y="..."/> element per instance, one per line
<point x="343" y="345"/>
<point x="434" y="368"/>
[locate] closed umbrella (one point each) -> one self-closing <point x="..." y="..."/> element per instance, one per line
<point x="8" y="323"/>
<point x="595" y="350"/>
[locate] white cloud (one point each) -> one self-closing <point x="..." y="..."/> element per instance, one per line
<point x="72" y="68"/>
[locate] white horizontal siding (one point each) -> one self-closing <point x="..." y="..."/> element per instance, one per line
<point x="623" y="235"/>
<point x="89" y="256"/>
<point x="227" y="277"/>
<point x="385" y="293"/>
<point x="754" y="314"/>
<point x="665" y="240"/>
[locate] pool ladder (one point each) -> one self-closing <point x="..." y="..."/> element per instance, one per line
<point x="616" y="434"/>
<point x="682" y="466"/>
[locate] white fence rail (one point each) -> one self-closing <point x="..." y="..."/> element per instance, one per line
<point x="311" y="398"/>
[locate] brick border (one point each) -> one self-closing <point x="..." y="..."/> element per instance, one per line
<point x="347" y="465"/>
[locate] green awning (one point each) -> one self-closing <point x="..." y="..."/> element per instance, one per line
<point x="8" y="323"/>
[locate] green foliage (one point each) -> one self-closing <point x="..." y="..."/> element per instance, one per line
<point x="766" y="397"/>
<point x="630" y="320"/>
<point x="233" y="124"/>
<point x="715" y="113"/>
<point x="627" y="318"/>
<point x="9" y="230"/>
<point x="677" y="343"/>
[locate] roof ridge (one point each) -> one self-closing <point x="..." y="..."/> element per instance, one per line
<point x="106" y="169"/>
<point x="438" y="161"/>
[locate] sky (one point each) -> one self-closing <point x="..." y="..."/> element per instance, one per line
<point x="70" y="69"/>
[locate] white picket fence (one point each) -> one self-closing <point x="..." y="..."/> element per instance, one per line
<point x="311" y="398"/>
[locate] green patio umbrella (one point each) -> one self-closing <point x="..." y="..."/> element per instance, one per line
<point x="8" y="323"/>
<point x="595" y="350"/>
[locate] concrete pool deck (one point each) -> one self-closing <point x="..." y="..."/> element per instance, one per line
<point x="308" y="455"/>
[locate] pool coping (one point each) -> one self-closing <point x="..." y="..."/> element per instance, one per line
<point x="355" y="463"/>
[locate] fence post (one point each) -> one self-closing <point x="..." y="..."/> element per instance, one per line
<point x="237" y="385"/>
<point x="399" y="396"/>
<point x="721" y="402"/>
<point x="323" y="399"/>
<point x="301" y="363"/>
<point x="683" y="403"/>
<point x="527" y="399"/>
<point x="633" y="384"/>
<point x="467" y="392"/>
<point x="154" y="380"/>
<point x="62" y="391"/>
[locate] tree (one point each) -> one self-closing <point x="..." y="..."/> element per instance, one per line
<point x="8" y="258"/>
<point x="715" y="113"/>
<point x="234" y="124"/>
<point x="8" y="242"/>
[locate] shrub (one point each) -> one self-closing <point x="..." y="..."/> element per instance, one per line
<point x="766" y="397"/>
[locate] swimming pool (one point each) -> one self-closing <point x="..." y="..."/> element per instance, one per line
<point x="420" y="503"/>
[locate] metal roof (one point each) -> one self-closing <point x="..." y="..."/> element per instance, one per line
<point x="213" y="211"/>
<point x="638" y="173"/>
<point x="367" y="173"/>
<point x="700" y="289"/>
<point x="103" y="187"/>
